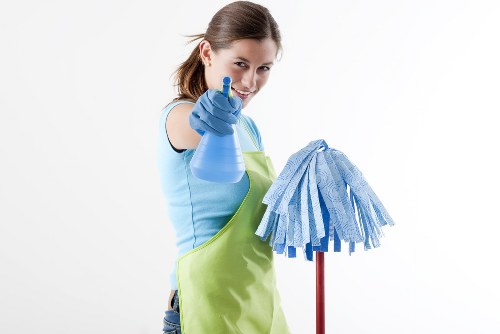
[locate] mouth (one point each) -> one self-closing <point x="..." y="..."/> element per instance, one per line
<point x="242" y="94"/>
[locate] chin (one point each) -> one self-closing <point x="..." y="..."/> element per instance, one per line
<point x="245" y="103"/>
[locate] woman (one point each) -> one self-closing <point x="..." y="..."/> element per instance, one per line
<point x="223" y="280"/>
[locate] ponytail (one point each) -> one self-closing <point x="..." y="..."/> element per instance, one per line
<point x="190" y="75"/>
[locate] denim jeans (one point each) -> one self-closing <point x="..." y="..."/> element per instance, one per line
<point x="172" y="320"/>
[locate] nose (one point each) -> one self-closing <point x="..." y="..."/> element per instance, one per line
<point x="249" y="80"/>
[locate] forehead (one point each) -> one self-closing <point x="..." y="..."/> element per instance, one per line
<point x="263" y="51"/>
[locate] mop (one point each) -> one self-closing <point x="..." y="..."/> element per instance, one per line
<point x="319" y="196"/>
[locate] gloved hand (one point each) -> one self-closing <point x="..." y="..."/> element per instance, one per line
<point x="215" y="113"/>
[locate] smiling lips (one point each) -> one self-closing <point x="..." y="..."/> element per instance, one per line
<point x="242" y="94"/>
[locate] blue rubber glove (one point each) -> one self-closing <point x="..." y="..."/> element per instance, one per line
<point x="215" y="113"/>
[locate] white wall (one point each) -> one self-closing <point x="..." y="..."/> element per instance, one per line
<point x="408" y="90"/>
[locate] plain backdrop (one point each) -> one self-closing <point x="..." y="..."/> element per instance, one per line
<point x="408" y="90"/>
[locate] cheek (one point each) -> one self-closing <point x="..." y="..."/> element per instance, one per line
<point x="234" y="73"/>
<point x="213" y="78"/>
<point x="208" y="77"/>
<point x="219" y="71"/>
<point x="262" y="80"/>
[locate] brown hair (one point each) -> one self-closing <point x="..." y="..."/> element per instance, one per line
<point x="235" y="21"/>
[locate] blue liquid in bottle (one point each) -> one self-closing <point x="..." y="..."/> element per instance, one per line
<point x="219" y="159"/>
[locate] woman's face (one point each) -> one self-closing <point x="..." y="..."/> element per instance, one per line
<point x="247" y="62"/>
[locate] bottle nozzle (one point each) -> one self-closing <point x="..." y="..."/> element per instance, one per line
<point x="226" y="86"/>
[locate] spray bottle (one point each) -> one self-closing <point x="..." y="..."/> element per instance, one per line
<point x="219" y="159"/>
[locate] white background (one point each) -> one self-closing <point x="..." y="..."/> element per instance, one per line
<point x="408" y="90"/>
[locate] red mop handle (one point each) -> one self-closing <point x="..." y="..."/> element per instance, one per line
<point x="320" y="293"/>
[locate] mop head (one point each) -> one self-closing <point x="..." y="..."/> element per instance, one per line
<point x="320" y="196"/>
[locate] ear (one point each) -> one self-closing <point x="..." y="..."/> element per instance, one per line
<point x="206" y="52"/>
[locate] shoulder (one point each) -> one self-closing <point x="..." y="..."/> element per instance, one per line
<point x="178" y="106"/>
<point x="179" y="132"/>
<point x="178" y="111"/>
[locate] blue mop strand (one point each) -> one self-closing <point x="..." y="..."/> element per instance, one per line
<point x="369" y="207"/>
<point x="358" y="187"/>
<point x="352" y="247"/>
<point x="300" y="239"/>
<point x="330" y="192"/>
<point x="337" y="246"/>
<point x="333" y="191"/>
<point x="273" y="235"/>
<point x="377" y="203"/>
<point x="361" y="218"/>
<point x="323" y="180"/>
<point x="292" y="220"/>
<point x="291" y="188"/>
<point x="314" y="199"/>
<point x="274" y="195"/>
<point x="279" y="248"/>
<point x="267" y="225"/>
<point x="293" y="224"/>
<point x="326" y="239"/>
<point x="289" y="230"/>
<point x="350" y="230"/>
<point x="308" y="252"/>
<point x="278" y="232"/>
<point x="273" y="219"/>
<point x="304" y="212"/>
<point x="313" y="226"/>
<point x="282" y="228"/>
<point x="305" y="231"/>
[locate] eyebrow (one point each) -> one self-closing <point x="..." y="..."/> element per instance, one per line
<point x="248" y="61"/>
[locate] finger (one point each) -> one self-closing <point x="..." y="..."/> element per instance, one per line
<point x="217" y="124"/>
<point x="202" y="127"/>
<point x="235" y="102"/>
<point x="237" y="113"/>
<point x="197" y="125"/>
<point x="220" y="101"/>
<point x="216" y="132"/>
<point x="224" y="115"/>
<point x="209" y="108"/>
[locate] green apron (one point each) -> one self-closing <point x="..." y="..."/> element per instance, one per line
<point x="227" y="285"/>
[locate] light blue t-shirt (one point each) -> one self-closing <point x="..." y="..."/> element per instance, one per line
<point x="198" y="209"/>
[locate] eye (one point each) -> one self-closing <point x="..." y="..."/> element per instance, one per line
<point x="265" y="68"/>
<point x="240" y="64"/>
